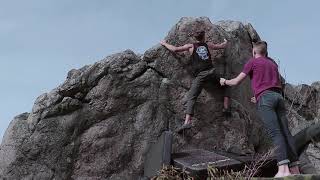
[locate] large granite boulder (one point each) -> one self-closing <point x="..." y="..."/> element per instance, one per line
<point x="100" y="122"/>
<point x="303" y="104"/>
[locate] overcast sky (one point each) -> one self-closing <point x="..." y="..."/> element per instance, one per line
<point x="41" y="40"/>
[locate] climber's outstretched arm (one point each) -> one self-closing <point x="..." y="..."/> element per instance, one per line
<point x="218" y="46"/>
<point x="234" y="81"/>
<point x="173" y="48"/>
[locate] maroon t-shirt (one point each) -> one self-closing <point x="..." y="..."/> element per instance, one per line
<point x="263" y="73"/>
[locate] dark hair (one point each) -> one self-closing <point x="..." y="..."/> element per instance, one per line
<point x="200" y="35"/>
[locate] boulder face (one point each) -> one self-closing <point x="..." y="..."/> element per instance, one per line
<point x="303" y="104"/>
<point x="100" y="122"/>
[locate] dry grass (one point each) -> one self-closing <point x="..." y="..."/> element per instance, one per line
<point x="215" y="174"/>
<point x="249" y="171"/>
<point x="172" y="173"/>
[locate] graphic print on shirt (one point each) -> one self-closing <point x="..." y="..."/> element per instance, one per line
<point x="202" y="52"/>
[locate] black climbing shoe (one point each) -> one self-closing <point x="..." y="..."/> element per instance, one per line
<point x="183" y="127"/>
<point x="227" y="112"/>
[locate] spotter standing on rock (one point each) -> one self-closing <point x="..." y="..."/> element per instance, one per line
<point x="266" y="85"/>
<point x="204" y="72"/>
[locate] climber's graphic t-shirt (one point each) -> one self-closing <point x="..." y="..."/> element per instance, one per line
<point x="263" y="73"/>
<point x="201" y="58"/>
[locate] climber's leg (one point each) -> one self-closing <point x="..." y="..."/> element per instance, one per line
<point x="215" y="76"/>
<point x="226" y="101"/>
<point x="195" y="90"/>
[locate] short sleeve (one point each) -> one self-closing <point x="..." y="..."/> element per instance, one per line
<point x="247" y="69"/>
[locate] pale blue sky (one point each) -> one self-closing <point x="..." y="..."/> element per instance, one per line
<point x="41" y="40"/>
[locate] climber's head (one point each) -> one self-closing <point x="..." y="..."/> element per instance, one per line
<point x="259" y="49"/>
<point x="200" y="36"/>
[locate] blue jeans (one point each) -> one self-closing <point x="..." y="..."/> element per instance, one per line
<point x="272" y="111"/>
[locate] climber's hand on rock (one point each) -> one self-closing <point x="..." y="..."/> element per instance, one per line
<point x="253" y="100"/>
<point x="163" y="42"/>
<point x="222" y="81"/>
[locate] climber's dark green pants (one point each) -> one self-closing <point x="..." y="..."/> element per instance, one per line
<point x="208" y="76"/>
